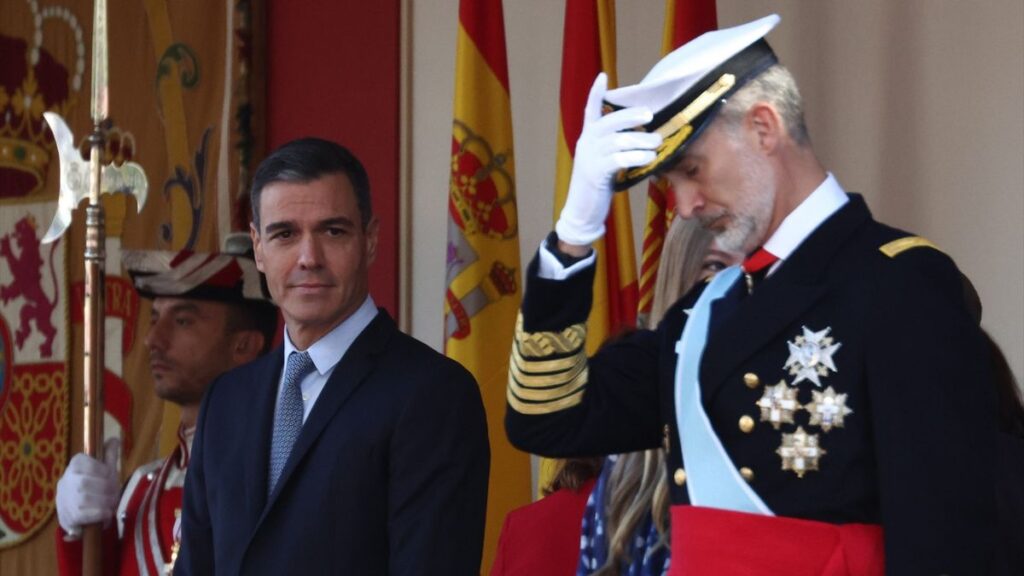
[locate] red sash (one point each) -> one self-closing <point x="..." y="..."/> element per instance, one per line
<point x="724" y="543"/>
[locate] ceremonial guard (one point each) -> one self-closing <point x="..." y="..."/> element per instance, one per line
<point x="827" y="406"/>
<point x="209" y="314"/>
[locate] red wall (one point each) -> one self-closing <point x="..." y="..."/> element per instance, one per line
<point x="333" y="72"/>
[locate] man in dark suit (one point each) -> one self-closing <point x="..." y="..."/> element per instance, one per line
<point x="352" y="448"/>
<point x="827" y="407"/>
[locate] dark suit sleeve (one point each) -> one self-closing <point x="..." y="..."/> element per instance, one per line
<point x="439" y="464"/>
<point x="195" y="556"/>
<point x="933" y="404"/>
<point x="562" y="403"/>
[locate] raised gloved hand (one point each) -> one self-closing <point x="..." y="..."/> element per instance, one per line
<point x="601" y="151"/>
<point x="87" y="493"/>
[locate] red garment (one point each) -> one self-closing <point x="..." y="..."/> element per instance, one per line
<point x="146" y="514"/>
<point x="543" y="538"/>
<point x="726" y="543"/>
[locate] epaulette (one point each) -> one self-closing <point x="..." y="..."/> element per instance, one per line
<point x="896" y="247"/>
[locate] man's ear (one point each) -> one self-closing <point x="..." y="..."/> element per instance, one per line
<point x="766" y="123"/>
<point x="372" y="234"/>
<point x="257" y="246"/>
<point x="246" y="347"/>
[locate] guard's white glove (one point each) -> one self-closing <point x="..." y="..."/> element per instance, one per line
<point x="601" y="151"/>
<point x="87" y="493"/>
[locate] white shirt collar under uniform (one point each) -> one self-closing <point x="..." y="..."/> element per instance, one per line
<point x="826" y="199"/>
<point x="327" y="352"/>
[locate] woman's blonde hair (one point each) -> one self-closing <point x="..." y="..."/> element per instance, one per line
<point x="638" y="484"/>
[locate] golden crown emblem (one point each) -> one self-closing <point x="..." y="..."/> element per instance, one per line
<point x="33" y="81"/>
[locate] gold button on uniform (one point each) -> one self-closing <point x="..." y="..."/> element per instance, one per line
<point x="751" y="380"/>
<point x="679" y="477"/>
<point x="747" y="474"/>
<point x="746" y="424"/>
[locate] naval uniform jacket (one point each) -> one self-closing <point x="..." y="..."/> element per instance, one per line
<point x="387" y="476"/>
<point x="915" y="452"/>
<point x="142" y="543"/>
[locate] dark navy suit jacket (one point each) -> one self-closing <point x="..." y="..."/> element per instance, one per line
<point x="388" y="475"/>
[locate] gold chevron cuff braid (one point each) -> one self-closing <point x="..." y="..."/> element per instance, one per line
<point x="547" y="370"/>
<point x="897" y="247"/>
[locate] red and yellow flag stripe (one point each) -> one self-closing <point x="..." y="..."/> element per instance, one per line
<point x="684" y="21"/>
<point x="483" y="271"/>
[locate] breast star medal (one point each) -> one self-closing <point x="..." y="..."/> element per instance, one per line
<point x="810" y="356"/>
<point x="800" y="452"/>
<point x="828" y="409"/>
<point x="778" y="404"/>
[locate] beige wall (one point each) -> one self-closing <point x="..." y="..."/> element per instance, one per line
<point x="919" y="104"/>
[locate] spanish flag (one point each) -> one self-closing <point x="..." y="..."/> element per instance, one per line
<point x="588" y="48"/>
<point x="483" y="272"/>
<point x="684" y="21"/>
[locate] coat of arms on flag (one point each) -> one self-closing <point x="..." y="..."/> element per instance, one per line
<point x="34" y="330"/>
<point x="34" y="391"/>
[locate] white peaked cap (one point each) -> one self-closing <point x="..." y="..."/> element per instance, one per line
<point x="684" y="89"/>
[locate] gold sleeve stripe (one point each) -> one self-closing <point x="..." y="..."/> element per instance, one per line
<point x="897" y="247"/>
<point x="556" y="365"/>
<point x="545" y="408"/>
<point x="529" y="379"/>
<point x="549" y="343"/>
<point x="548" y="370"/>
<point x="547" y="393"/>
<point x="546" y="386"/>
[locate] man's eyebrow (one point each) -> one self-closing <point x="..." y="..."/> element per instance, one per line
<point x="336" y="221"/>
<point x="282" y="225"/>
<point x="188" y="307"/>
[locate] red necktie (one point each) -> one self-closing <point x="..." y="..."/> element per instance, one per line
<point x="755" y="268"/>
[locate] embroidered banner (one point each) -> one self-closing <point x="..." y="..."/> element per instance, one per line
<point x="182" y="78"/>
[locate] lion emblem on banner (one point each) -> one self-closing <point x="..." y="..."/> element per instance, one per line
<point x="34" y="392"/>
<point x="26" y="269"/>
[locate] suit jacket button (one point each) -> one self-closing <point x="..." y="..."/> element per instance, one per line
<point x="747" y="474"/>
<point x="751" y="380"/>
<point x="746" y="424"/>
<point x="679" y="477"/>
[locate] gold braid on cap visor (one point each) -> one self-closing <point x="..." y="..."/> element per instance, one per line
<point x="678" y="128"/>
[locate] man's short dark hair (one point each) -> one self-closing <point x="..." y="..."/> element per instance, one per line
<point x="309" y="159"/>
<point x="252" y="315"/>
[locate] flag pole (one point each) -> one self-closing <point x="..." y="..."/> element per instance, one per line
<point x="128" y="178"/>
<point x="95" y="262"/>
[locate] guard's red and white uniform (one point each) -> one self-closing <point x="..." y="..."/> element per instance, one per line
<point x="143" y="544"/>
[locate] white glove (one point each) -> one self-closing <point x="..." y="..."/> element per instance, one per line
<point x="601" y="151"/>
<point x="87" y="493"/>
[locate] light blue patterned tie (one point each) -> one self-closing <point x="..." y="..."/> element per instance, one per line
<point x="288" y="415"/>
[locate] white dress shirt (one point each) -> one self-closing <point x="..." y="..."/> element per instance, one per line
<point x="826" y="199"/>
<point x="326" y="353"/>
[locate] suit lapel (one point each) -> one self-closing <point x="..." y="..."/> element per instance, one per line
<point x="353" y="369"/>
<point x="257" y="463"/>
<point x="780" y="299"/>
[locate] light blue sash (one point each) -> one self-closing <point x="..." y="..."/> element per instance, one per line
<point x="711" y="478"/>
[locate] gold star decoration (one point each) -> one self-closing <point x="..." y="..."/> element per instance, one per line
<point x="778" y="404"/>
<point x="810" y="356"/>
<point x="800" y="452"/>
<point x="828" y="409"/>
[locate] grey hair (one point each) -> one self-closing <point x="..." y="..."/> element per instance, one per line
<point x="777" y="86"/>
